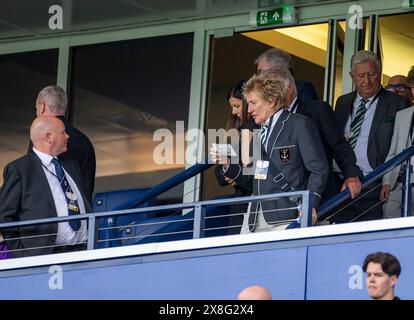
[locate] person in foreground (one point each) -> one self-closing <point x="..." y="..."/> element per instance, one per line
<point x="382" y="271"/>
<point x="255" y="292"/>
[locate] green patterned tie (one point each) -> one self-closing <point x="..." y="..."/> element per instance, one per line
<point x="356" y="124"/>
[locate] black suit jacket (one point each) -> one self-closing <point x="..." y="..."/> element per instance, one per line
<point x="304" y="168"/>
<point x="382" y="127"/>
<point x="26" y="195"/>
<point x="81" y="150"/>
<point x="305" y="91"/>
<point x="333" y="142"/>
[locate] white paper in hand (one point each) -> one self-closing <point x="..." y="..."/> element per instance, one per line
<point x="224" y="149"/>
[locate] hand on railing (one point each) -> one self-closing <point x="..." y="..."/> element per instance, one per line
<point x="314" y="215"/>
<point x="354" y="186"/>
<point x="385" y="192"/>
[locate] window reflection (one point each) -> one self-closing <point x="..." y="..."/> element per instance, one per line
<point x="23" y="75"/>
<point x="121" y="93"/>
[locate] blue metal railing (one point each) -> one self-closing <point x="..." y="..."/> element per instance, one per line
<point x="198" y="221"/>
<point x="375" y="175"/>
<point x="166" y="185"/>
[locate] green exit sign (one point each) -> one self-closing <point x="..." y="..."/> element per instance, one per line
<point x="407" y="4"/>
<point x="273" y="16"/>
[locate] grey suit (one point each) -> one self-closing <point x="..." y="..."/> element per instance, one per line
<point x="401" y="140"/>
<point x="295" y="149"/>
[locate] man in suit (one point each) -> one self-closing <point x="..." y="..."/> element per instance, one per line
<point x="402" y="138"/>
<point x="290" y="157"/>
<point x="276" y="58"/>
<point x="333" y="141"/>
<point x="34" y="188"/>
<point x="52" y="101"/>
<point x="366" y="117"/>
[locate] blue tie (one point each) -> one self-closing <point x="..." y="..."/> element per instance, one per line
<point x="73" y="207"/>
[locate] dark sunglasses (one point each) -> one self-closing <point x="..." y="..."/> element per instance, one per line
<point x="397" y="87"/>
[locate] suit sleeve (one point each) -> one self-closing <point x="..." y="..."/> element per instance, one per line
<point x="220" y="176"/>
<point x="390" y="177"/>
<point x="10" y="198"/>
<point x="309" y="92"/>
<point x="235" y="172"/>
<point x="342" y="151"/>
<point x="314" y="160"/>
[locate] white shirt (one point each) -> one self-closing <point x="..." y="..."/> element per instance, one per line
<point x="292" y="105"/>
<point x="272" y="125"/>
<point x="65" y="234"/>
<point x="361" y="146"/>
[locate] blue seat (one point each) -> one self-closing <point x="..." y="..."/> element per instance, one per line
<point x="117" y="200"/>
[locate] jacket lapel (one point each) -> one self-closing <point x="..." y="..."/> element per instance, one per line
<point x="406" y="130"/>
<point x="300" y="106"/>
<point x="40" y="176"/>
<point x="277" y="129"/>
<point x="380" y="112"/>
<point x="345" y="112"/>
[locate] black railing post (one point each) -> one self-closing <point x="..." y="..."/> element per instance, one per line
<point x="199" y="221"/>
<point x="406" y="195"/>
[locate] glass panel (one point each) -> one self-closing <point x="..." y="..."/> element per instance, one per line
<point x="232" y="59"/>
<point x="340" y="40"/>
<point x="124" y="91"/>
<point x="396" y="43"/>
<point x="307" y="46"/>
<point x="23" y="75"/>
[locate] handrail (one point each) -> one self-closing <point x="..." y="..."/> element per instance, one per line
<point x="166" y="185"/>
<point x="368" y="180"/>
<point x="199" y="217"/>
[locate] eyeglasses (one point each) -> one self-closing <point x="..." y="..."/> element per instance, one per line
<point x="397" y="87"/>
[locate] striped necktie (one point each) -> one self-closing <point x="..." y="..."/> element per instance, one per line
<point x="73" y="207"/>
<point x="356" y="123"/>
<point x="263" y="133"/>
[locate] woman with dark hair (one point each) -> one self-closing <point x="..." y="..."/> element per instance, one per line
<point x="240" y="120"/>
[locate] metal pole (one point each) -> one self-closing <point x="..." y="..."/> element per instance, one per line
<point x="306" y="208"/>
<point x="199" y="214"/>
<point x="91" y="232"/>
<point x="406" y="197"/>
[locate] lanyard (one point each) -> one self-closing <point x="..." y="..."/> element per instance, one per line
<point x="366" y="104"/>
<point x="68" y="187"/>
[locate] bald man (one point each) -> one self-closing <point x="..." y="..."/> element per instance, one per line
<point x="400" y="85"/>
<point x="254" y="293"/>
<point x="39" y="185"/>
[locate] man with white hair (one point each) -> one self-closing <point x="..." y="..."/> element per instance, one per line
<point x="52" y="101"/>
<point x="277" y="58"/>
<point x="366" y="118"/>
